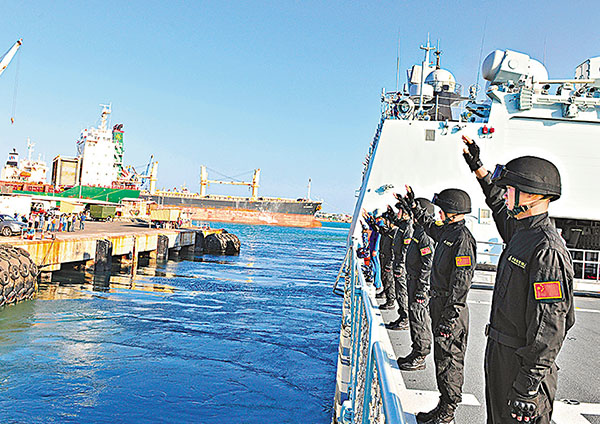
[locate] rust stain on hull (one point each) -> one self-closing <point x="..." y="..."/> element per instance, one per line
<point x="253" y="217"/>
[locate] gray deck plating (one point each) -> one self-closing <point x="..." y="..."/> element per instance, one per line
<point x="579" y="362"/>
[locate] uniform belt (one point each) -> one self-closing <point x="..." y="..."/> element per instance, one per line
<point x="439" y="293"/>
<point x="510" y="341"/>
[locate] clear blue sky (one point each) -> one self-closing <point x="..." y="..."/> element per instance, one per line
<point x="291" y="87"/>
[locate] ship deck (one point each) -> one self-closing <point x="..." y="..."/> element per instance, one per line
<point x="579" y="363"/>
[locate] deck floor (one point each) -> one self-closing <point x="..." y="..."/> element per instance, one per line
<point x="579" y="363"/>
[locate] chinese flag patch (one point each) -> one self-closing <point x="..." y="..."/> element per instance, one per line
<point x="425" y="251"/>
<point x="463" y="261"/>
<point x="407" y="241"/>
<point x="547" y="291"/>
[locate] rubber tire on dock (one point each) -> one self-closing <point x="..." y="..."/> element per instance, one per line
<point x="222" y="244"/>
<point x="18" y="275"/>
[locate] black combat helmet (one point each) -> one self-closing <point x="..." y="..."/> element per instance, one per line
<point x="426" y="204"/>
<point x="453" y="200"/>
<point x="531" y="175"/>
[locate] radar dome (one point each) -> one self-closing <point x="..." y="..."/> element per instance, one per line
<point x="503" y="66"/>
<point x="441" y="80"/>
<point x="537" y="70"/>
<point x="491" y="65"/>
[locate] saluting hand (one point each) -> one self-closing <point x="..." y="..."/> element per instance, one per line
<point x="410" y="196"/>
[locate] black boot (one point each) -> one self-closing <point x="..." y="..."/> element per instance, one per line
<point x="406" y="358"/>
<point x="380" y="295"/>
<point x="416" y="363"/>
<point x="424" y="417"/>
<point x="399" y="324"/>
<point x="444" y="415"/>
<point x="387" y="305"/>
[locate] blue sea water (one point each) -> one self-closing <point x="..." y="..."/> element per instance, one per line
<point x="207" y="339"/>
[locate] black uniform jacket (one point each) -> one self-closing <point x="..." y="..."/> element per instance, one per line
<point x="419" y="258"/>
<point x="453" y="263"/>
<point x="386" y="254"/>
<point x="402" y="240"/>
<point x="532" y="307"/>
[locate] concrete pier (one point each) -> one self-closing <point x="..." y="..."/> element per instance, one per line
<point x="101" y="244"/>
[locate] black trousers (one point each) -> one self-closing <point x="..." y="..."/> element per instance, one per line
<point x="387" y="278"/>
<point x="501" y="369"/>
<point x="420" y="321"/>
<point x="449" y="353"/>
<point x="401" y="290"/>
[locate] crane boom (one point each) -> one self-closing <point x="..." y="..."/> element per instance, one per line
<point x="8" y="56"/>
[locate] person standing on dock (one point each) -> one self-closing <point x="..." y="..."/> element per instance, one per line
<point x="452" y="272"/>
<point x="419" y="259"/>
<point x="532" y="305"/>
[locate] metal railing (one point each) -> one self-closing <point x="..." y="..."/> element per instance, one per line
<point x="372" y="393"/>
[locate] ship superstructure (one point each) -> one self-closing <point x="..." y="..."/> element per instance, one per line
<point x="418" y="142"/>
<point x="100" y="153"/>
<point x="28" y="170"/>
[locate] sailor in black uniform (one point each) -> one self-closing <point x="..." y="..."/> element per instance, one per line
<point x="452" y="271"/>
<point x="532" y="305"/>
<point x="419" y="259"/>
<point x="402" y="239"/>
<point x="386" y="257"/>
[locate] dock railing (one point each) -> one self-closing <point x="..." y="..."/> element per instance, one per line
<point x="372" y="391"/>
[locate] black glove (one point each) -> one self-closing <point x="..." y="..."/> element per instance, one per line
<point x="410" y="197"/>
<point x="421" y="297"/>
<point x="403" y="206"/>
<point x="445" y="329"/>
<point x="398" y="273"/>
<point x="472" y="156"/>
<point x="523" y="407"/>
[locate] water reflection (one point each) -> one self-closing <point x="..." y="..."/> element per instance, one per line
<point x="77" y="285"/>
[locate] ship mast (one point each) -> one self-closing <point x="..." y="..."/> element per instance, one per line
<point x="106" y="109"/>
<point x="424" y="65"/>
<point x="308" y="194"/>
<point x="30" y="145"/>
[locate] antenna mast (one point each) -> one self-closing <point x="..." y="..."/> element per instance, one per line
<point x="397" y="63"/>
<point x="424" y="65"/>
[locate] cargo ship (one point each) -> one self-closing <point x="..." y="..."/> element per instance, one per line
<point x="243" y="210"/>
<point x="98" y="173"/>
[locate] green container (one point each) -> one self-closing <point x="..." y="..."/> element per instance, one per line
<point x="102" y="212"/>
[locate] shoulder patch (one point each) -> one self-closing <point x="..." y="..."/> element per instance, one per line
<point x="548" y="291"/>
<point x="518" y="262"/>
<point x="448" y="243"/>
<point x="439" y="223"/>
<point x="463" y="261"/>
<point x="407" y="241"/>
<point x="425" y="251"/>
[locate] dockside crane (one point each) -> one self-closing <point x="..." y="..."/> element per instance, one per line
<point x="8" y="56"/>
<point x="4" y="62"/>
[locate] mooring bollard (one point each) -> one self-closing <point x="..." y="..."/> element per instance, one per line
<point x="162" y="248"/>
<point x="103" y="259"/>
